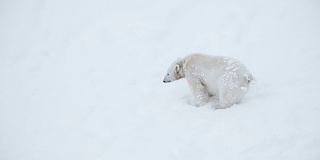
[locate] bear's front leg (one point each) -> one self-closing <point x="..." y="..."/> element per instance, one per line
<point x="199" y="91"/>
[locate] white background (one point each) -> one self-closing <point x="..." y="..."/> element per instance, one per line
<point x="82" y="79"/>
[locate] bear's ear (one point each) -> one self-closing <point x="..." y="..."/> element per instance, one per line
<point x="177" y="68"/>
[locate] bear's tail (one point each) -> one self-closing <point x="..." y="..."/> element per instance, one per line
<point x="250" y="79"/>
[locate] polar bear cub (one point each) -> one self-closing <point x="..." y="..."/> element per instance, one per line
<point x="207" y="75"/>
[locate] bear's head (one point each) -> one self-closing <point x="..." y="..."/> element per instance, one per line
<point x="174" y="72"/>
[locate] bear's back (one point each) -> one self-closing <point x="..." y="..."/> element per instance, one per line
<point x="215" y="71"/>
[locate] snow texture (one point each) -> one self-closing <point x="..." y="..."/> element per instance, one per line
<point x="83" y="80"/>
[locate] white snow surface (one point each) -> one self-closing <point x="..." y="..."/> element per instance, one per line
<point x="83" y="80"/>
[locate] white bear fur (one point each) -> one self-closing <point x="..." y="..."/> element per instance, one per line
<point x="207" y="75"/>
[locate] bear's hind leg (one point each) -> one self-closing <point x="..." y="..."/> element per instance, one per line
<point x="241" y="93"/>
<point x="239" y="98"/>
<point x="223" y="105"/>
<point x="226" y="99"/>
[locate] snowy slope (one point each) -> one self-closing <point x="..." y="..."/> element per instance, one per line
<point x="83" y="80"/>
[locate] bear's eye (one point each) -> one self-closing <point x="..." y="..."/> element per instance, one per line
<point x="168" y="74"/>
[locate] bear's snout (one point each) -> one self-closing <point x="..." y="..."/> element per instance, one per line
<point x="166" y="81"/>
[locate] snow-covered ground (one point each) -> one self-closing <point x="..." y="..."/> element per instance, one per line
<point x="83" y="80"/>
